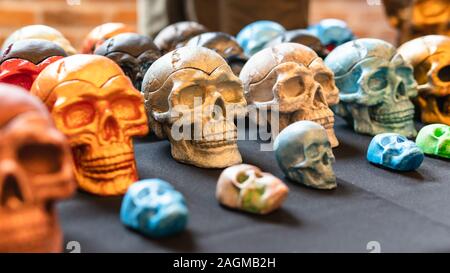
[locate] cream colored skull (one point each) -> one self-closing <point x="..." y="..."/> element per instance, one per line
<point x="293" y="78"/>
<point x="195" y="87"/>
<point x="245" y="187"/>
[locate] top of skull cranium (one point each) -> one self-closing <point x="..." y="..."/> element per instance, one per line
<point x="260" y="64"/>
<point x="343" y="58"/>
<point x="168" y="38"/>
<point x="94" y="69"/>
<point x="418" y="50"/>
<point x="33" y="50"/>
<point x="131" y="43"/>
<point x="18" y="101"/>
<point x="199" y="58"/>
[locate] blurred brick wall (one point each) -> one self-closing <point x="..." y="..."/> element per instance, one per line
<point x="365" y="17"/>
<point x="75" y="21"/>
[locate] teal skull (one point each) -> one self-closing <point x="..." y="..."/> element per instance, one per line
<point x="376" y="86"/>
<point x="434" y="139"/>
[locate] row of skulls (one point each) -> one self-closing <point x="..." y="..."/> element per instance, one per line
<point x="99" y="110"/>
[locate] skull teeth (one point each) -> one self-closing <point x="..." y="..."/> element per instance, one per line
<point x="396" y="117"/>
<point x="216" y="140"/>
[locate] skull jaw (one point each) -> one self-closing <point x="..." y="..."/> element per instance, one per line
<point x="219" y="157"/>
<point x="359" y="117"/>
<point x="33" y="230"/>
<point x="429" y="110"/>
<point x="313" y="179"/>
<point x="407" y="161"/>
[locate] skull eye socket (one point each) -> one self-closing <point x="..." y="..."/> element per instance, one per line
<point x="406" y="73"/>
<point x="386" y="141"/>
<point x="312" y="151"/>
<point x="125" y="108"/>
<point x="230" y="92"/>
<point x="444" y="74"/>
<point x="378" y="81"/>
<point x="79" y="114"/>
<point x="189" y="95"/>
<point x="242" y="177"/>
<point x="438" y="132"/>
<point x="292" y="88"/>
<point x="400" y="140"/>
<point x="143" y="193"/>
<point x="40" y="158"/>
<point x="325" y="80"/>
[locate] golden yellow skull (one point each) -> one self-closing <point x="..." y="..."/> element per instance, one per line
<point x="96" y="106"/>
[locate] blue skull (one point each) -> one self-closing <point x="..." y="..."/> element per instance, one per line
<point x="394" y="151"/>
<point x="154" y="208"/>
<point x="253" y="37"/>
<point x="332" y="32"/>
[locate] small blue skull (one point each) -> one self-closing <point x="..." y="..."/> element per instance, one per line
<point x="394" y="151"/>
<point x="154" y="208"/>
<point x="256" y="35"/>
<point x="332" y="32"/>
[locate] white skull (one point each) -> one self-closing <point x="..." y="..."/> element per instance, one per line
<point x="293" y="78"/>
<point x="247" y="188"/>
<point x="194" y="86"/>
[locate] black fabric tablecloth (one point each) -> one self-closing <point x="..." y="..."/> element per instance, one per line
<point x="402" y="211"/>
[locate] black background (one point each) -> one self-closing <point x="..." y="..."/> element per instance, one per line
<point x="404" y="212"/>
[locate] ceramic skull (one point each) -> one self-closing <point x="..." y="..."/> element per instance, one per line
<point x="96" y="106"/>
<point x="177" y="35"/>
<point x="23" y="60"/>
<point x="304" y="154"/>
<point x="41" y="32"/>
<point x="294" y="79"/>
<point x="134" y="53"/>
<point x="35" y="172"/>
<point x="256" y="35"/>
<point x="376" y="87"/>
<point x="195" y="87"/>
<point x="100" y="34"/>
<point x="332" y="32"/>
<point x="154" y="208"/>
<point x="301" y="36"/>
<point x="415" y="18"/>
<point x="430" y="57"/>
<point x="434" y="139"/>
<point x="394" y="151"/>
<point x="246" y="187"/>
<point x="224" y="44"/>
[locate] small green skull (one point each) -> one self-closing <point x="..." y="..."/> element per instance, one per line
<point x="434" y="139"/>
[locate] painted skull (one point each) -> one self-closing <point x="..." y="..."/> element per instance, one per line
<point x="394" y="151"/>
<point x="430" y="57"/>
<point x="332" y="32"/>
<point x="301" y="36"/>
<point x="95" y="105"/>
<point x="434" y="139"/>
<point x="304" y="154"/>
<point x="294" y="79"/>
<point x="247" y="188"/>
<point x="102" y="33"/>
<point x="224" y="44"/>
<point x="41" y="32"/>
<point x="154" y="208"/>
<point x="35" y="172"/>
<point x="134" y="53"/>
<point x="194" y="87"/>
<point x="376" y="86"/>
<point x="23" y="60"/>
<point x="415" y="18"/>
<point x="177" y="35"/>
<point x="255" y="36"/>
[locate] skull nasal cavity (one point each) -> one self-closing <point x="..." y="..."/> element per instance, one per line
<point x="219" y="109"/>
<point x="111" y="129"/>
<point x="11" y="195"/>
<point x="444" y="74"/>
<point x="401" y="91"/>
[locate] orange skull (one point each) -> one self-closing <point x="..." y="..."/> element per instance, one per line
<point x="102" y="33"/>
<point x="99" y="110"/>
